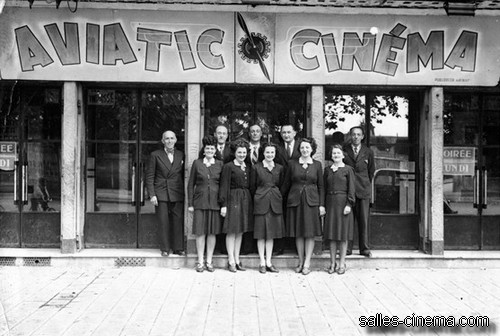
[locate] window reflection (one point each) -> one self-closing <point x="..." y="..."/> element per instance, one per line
<point x="389" y="135"/>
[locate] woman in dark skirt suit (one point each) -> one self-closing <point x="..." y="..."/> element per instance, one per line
<point x="203" y="191"/>
<point x="305" y="203"/>
<point x="265" y="179"/>
<point x="236" y="203"/>
<point x="340" y="198"/>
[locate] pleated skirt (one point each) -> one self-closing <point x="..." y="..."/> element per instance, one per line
<point x="303" y="220"/>
<point x="206" y="222"/>
<point x="269" y="226"/>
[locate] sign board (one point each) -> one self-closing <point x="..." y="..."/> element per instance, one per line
<point x="8" y="155"/>
<point x="459" y="161"/>
<point x="139" y="45"/>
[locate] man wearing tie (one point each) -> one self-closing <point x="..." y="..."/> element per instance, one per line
<point x="165" y="183"/>
<point x="361" y="158"/>
<point x="223" y="152"/>
<point x="289" y="150"/>
<point x="255" y="135"/>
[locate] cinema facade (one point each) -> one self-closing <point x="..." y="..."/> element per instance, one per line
<point x="85" y="96"/>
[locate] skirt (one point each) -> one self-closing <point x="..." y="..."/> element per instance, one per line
<point x="337" y="225"/>
<point x="206" y="222"/>
<point x="303" y="220"/>
<point x="269" y="226"/>
<point x="239" y="216"/>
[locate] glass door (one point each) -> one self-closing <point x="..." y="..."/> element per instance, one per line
<point x="123" y="127"/>
<point x="390" y="123"/>
<point x="471" y="172"/>
<point x="30" y="172"/>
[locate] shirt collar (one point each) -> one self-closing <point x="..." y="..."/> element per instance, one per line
<point x="242" y="165"/>
<point x="334" y="167"/>
<point x="269" y="166"/>
<point x="208" y="162"/>
<point x="308" y="161"/>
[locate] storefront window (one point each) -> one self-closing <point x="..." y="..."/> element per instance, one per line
<point x="388" y="135"/>
<point x="239" y="109"/>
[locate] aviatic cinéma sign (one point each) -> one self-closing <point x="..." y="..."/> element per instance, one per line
<point x="223" y="47"/>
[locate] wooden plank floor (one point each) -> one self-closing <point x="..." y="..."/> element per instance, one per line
<point x="140" y="301"/>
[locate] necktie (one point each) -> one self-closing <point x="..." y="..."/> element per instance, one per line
<point x="356" y="150"/>
<point x="289" y="150"/>
<point x="254" y="155"/>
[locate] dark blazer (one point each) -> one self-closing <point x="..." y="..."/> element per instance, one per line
<point x="264" y="186"/>
<point x="203" y="185"/>
<point x="282" y="156"/>
<point x="299" y="180"/>
<point x="364" y="168"/>
<point x="165" y="180"/>
<point x="232" y="177"/>
<point x="260" y="155"/>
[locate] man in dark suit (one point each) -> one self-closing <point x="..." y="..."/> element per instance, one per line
<point x="255" y="154"/>
<point x="223" y="152"/>
<point x="165" y="183"/>
<point x="361" y="158"/>
<point x="289" y="150"/>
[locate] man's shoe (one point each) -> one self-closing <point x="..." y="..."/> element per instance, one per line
<point x="164" y="253"/>
<point x="180" y="252"/>
<point x="366" y="253"/>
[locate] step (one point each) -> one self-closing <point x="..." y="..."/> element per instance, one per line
<point x="152" y="258"/>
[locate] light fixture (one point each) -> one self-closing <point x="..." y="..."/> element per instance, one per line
<point x="457" y="7"/>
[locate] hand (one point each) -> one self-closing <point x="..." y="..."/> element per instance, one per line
<point x="191" y="209"/>
<point x="223" y="211"/>
<point x="347" y="210"/>
<point x="322" y="211"/>
<point x="154" y="200"/>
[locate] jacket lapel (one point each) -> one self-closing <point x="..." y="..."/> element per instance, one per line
<point x="165" y="160"/>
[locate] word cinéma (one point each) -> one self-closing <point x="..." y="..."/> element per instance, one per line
<point x="116" y="46"/>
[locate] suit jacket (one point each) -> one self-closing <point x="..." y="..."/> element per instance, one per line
<point x="364" y="168"/>
<point x="282" y="156"/>
<point x="164" y="179"/>
<point x="264" y="186"/>
<point x="299" y="180"/>
<point x="203" y="186"/>
<point x="260" y="155"/>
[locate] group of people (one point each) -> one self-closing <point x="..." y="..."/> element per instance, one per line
<point x="270" y="191"/>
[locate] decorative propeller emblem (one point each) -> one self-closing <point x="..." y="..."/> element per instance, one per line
<point x="254" y="47"/>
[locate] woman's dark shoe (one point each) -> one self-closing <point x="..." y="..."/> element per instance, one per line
<point x="272" y="269"/>
<point x="231" y="268"/>
<point x="209" y="267"/>
<point x="199" y="267"/>
<point x="298" y="269"/>
<point x="262" y="269"/>
<point x="332" y="269"/>
<point x="341" y="270"/>
<point x="306" y="270"/>
<point x="240" y="267"/>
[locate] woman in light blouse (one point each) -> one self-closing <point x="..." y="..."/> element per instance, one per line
<point x="305" y="202"/>
<point x="265" y="179"/>
<point x="236" y="203"/>
<point x="203" y="190"/>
